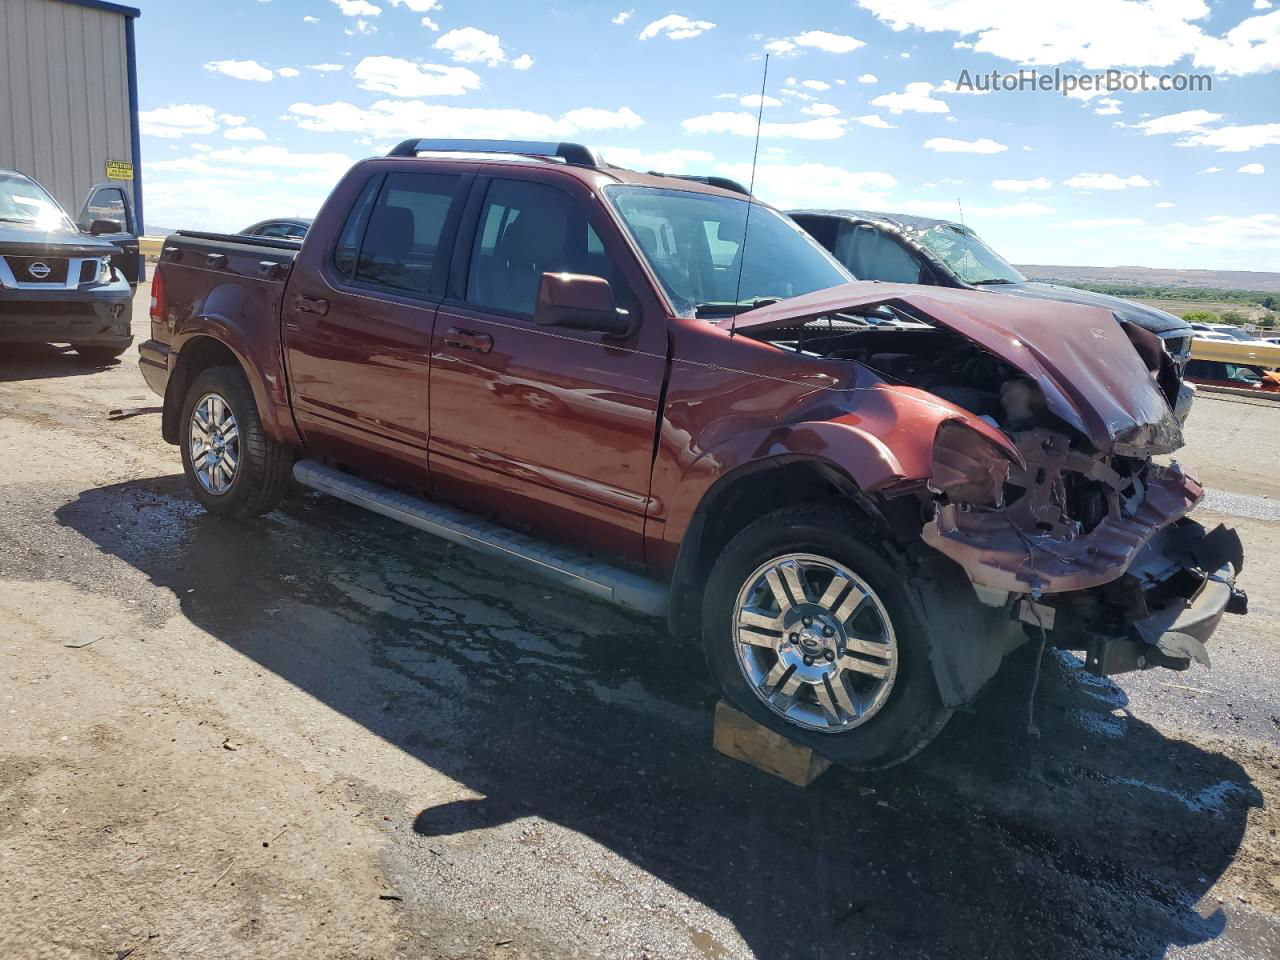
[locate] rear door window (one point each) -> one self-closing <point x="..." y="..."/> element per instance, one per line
<point x="870" y="254"/>
<point x="401" y="246"/>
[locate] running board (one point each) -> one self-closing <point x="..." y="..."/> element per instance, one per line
<point x="561" y="566"/>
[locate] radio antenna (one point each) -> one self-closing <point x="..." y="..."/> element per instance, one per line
<point x="751" y="194"/>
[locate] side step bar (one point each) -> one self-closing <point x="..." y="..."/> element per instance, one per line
<point x="596" y="579"/>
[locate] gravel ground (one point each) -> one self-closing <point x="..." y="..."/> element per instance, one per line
<point x="324" y="735"/>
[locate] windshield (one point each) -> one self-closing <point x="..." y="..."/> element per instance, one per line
<point x="693" y="243"/>
<point x="24" y="201"/>
<point x="967" y="256"/>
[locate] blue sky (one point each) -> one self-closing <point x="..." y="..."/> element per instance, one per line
<point x="254" y="108"/>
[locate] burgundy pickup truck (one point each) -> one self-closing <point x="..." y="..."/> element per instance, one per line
<point x="860" y="496"/>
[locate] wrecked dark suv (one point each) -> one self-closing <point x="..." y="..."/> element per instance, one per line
<point x="856" y="497"/>
<point x="902" y="248"/>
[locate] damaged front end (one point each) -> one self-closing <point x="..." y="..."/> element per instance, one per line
<point x="1041" y="483"/>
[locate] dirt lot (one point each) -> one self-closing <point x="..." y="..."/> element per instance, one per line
<point x="323" y="735"/>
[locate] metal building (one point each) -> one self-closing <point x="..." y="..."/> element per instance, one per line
<point x="69" y="97"/>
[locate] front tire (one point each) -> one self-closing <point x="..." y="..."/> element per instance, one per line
<point x="233" y="467"/>
<point x="809" y="630"/>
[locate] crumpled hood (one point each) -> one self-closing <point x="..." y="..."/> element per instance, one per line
<point x="1148" y="318"/>
<point x="28" y="240"/>
<point x="1091" y="375"/>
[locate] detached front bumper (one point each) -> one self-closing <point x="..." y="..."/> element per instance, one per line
<point x="1163" y="611"/>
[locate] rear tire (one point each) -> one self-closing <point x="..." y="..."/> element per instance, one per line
<point x="233" y="467"/>
<point x="843" y="668"/>
<point x="98" y="355"/>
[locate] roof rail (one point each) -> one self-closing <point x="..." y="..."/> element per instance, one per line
<point x="573" y="153"/>
<point x="724" y="183"/>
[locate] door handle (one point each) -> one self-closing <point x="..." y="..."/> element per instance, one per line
<point x="315" y="305"/>
<point x="466" y="340"/>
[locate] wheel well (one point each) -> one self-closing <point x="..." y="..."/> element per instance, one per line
<point x="737" y="500"/>
<point x="196" y="356"/>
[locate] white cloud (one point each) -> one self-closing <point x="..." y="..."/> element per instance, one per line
<point x="664" y="161"/>
<point x="231" y="119"/>
<point x="868" y="78"/>
<point x="1211" y="170"/>
<point x="1106" y="181"/>
<point x="1165" y="204"/>
<point x="1254" y="168"/>
<point x="875" y="120"/>
<point x="1262" y="4"/>
<point x="310" y="19"/>
<point x="245" y="133"/>
<point x="968" y="90"/>
<point x="1108" y="107"/>
<point x="397" y="119"/>
<point x="1234" y="138"/>
<point x="744" y="125"/>
<point x="522" y="62"/>
<point x="593" y="118"/>
<point x="1104" y="223"/>
<point x="914" y="98"/>
<point x="1022" y="186"/>
<point x="622" y="17"/>
<point x="417" y="6"/>
<point x="947" y="208"/>
<point x="1256" y="235"/>
<point x="675" y="26"/>
<point x="288" y="72"/>
<point x="1184" y="122"/>
<point x="788" y="186"/>
<point x="472" y="45"/>
<point x="325" y="67"/>
<point x="356" y="8"/>
<point x="818" y="85"/>
<point x="404" y="78"/>
<point x="178" y="120"/>
<point x="1136" y="34"/>
<point x="362" y="27"/>
<point x="820" y="110"/>
<point x="754" y="100"/>
<point x="1252" y="46"/>
<point x="814" y="40"/>
<point x="240" y="69"/>
<point x="948" y="145"/>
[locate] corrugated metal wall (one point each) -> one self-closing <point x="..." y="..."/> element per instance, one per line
<point x="64" y="95"/>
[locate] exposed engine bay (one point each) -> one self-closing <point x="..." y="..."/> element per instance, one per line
<point x="1077" y="530"/>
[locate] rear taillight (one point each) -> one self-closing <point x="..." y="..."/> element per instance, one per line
<point x="157" y="297"/>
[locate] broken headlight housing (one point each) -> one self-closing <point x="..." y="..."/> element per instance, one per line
<point x="968" y="467"/>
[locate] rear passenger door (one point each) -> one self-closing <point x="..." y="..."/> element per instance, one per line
<point x="550" y="428"/>
<point x="357" y="331"/>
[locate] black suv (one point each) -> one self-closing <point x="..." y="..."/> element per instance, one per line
<point x="63" y="283"/>
<point x="902" y="248"/>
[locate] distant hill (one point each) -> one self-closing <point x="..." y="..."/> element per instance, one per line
<point x="1156" y="277"/>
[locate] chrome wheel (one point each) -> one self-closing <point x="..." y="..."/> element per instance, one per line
<point x="214" y="444"/>
<point x="815" y="643"/>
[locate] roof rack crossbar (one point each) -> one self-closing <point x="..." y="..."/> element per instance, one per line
<point x="574" y="153"/>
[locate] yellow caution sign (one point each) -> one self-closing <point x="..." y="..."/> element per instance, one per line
<point x="119" y="170"/>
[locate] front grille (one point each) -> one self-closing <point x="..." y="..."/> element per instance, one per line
<point x="1177" y="346"/>
<point x="22" y="268"/>
<point x="44" y="308"/>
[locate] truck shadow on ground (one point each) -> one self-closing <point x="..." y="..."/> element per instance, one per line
<point x="1097" y="840"/>
<point x="42" y="361"/>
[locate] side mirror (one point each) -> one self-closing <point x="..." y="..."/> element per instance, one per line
<point x="579" y="302"/>
<point x="97" y="227"/>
